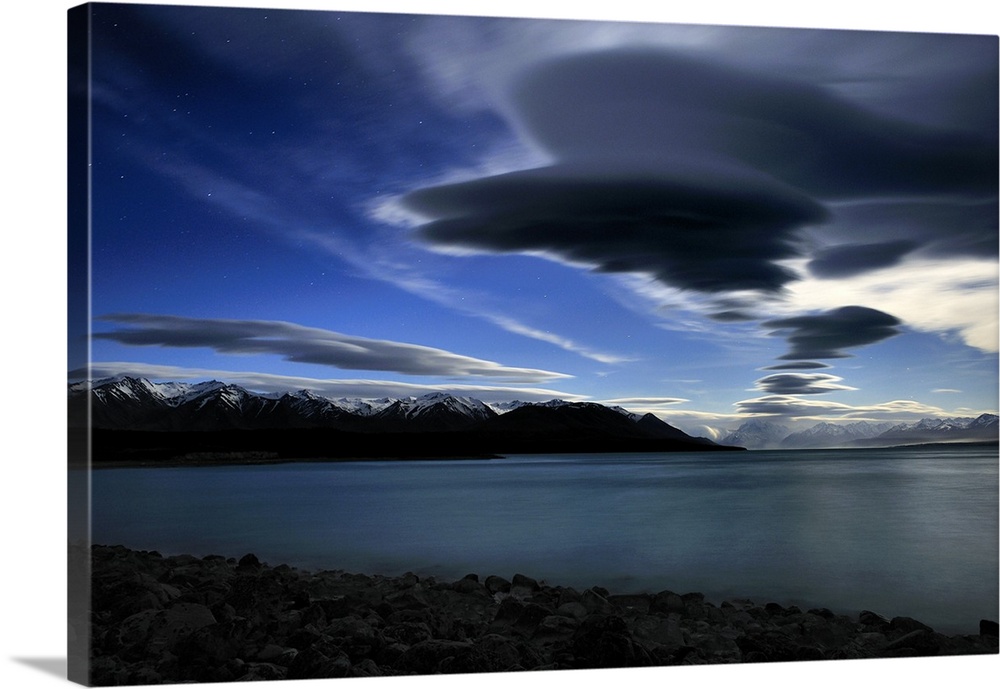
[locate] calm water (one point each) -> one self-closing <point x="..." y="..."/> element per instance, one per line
<point x="900" y="532"/>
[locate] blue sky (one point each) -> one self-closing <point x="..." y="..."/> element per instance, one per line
<point x="703" y="222"/>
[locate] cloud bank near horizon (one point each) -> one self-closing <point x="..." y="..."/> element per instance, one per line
<point x="302" y="344"/>
<point x="333" y="387"/>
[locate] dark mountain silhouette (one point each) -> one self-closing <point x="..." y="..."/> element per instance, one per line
<point x="135" y="420"/>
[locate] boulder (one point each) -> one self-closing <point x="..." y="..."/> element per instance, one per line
<point x="495" y="584"/>
<point x="604" y="641"/>
<point x="426" y="657"/>
<point x="920" y="642"/>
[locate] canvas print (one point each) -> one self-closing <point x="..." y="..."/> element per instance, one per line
<point x="417" y="344"/>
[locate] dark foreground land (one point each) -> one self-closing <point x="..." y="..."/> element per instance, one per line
<point x="177" y="619"/>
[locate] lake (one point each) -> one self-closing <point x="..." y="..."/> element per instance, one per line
<point x="897" y="531"/>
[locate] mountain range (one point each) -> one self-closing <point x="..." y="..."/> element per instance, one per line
<point x="134" y="418"/>
<point x="759" y="434"/>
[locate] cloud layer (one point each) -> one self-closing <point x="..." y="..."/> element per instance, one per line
<point x="714" y="178"/>
<point x="800" y="384"/>
<point x="698" y="231"/>
<point x="686" y="169"/>
<point x="301" y="344"/>
<point x="826" y="335"/>
<point x="327" y="387"/>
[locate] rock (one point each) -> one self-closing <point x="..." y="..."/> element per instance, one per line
<point x="367" y="668"/>
<point x="262" y="671"/>
<point x="666" y="602"/>
<point x="907" y="624"/>
<point x="469" y="585"/>
<point x="495" y="584"/>
<point x="606" y="642"/>
<point x="555" y="627"/>
<point x="920" y="642"/>
<point x="637" y="603"/>
<point x="523" y="586"/>
<point x="822" y="612"/>
<point x="312" y="663"/>
<point x="575" y="610"/>
<point x="492" y="653"/>
<point x="426" y="657"/>
<point x="529" y="618"/>
<point x="594" y="602"/>
<point x="660" y="631"/>
<point x="870" y="619"/>
<point x="182" y="619"/>
<point x="769" y="647"/>
<point x="248" y="562"/>
<point x="408" y="633"/>
<point x="407" y="600"/>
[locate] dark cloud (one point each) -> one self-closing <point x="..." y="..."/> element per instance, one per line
<point x="939" y="228"/>
<point x="800" y="384"/>
<point x="824" y="336"/>
<point x="731" y="316"/>
<point x="710" y="233"/>
<point x="302" y="344"/>
<point x="634" y="102"/>
<point x="701" y="174"/>
<point x="796" y="366"/>
<point x="852" y="259"/>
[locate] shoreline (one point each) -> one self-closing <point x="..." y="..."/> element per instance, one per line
<point x="243" y="461"/>
<point x="166" y="619"/>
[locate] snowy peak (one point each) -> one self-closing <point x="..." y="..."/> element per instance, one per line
<point x="138" y="404"/>
<point x="433" y="412"/>
<point x="825" y="434"/>
<point x="757" y="434"/>
<point x="962" y="429"/>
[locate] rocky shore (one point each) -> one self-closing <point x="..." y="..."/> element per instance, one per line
<point x="176" y="619"/>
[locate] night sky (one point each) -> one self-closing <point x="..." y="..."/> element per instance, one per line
<point x="703" y="222"/>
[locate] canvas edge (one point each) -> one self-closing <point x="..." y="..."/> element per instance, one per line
<point x="78" y="190"/>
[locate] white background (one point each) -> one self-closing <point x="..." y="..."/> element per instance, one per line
<point x="32" y="317"/>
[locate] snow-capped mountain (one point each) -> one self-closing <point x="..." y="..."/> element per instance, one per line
<point x="304" y="424"/>
<point x="826" y="434"/>
<point x="138" y="404"/>
<point x="964" y="429"/>
<point x="757" y="434"/>
<point x="435" y="411"/>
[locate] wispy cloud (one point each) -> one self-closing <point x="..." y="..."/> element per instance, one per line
<point x="398" y="272"/>
<point x="302" y="344"/>
<point x="645" y="403"/>
<point x="332" y="387"/>
<point x="513" y="326"/>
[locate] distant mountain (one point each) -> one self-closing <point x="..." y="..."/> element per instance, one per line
<point x="134" y="417"/>
<point x="833" y="435"/>
<point x="981" y="428"/>
<point x="759" y="434"/>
